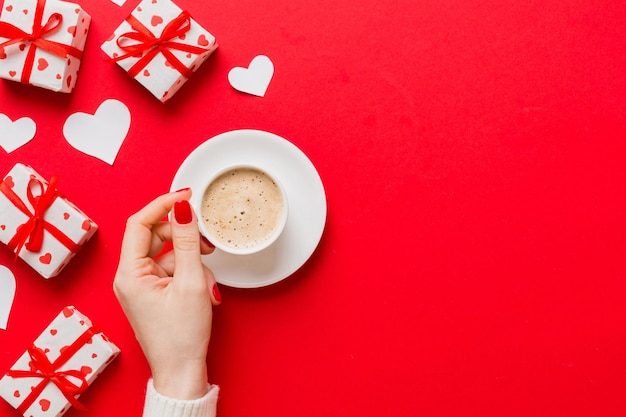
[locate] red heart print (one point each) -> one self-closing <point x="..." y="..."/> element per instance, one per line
<point x="85" y="370"/>
<point x="46" y="259"/>
<point x="146" y="73"/>
<point x="94" y="355"/>
<point x="9" y="8"/>
<point x="22" y="46"/>
<point x="154" y="1"/>
<point x="25" y="11"/>
<point x="12" y="73"/>
<point x="72" y="30"/>
<point x="139" y="9"/>
<point x="82" y="322"/>
<point x="68" y="312"/>
<point x="9" y="181"/>
<point x="3" y="55"/>
<point x="59" y="76"/>
<point x="182" y="37"/>
<point x="3" y="226"/>
<point x="42" y="64"/>
<point x="86" y="226"/>
<point x="66" y="216"/>
<point x="156" y="20"/>
<point x="16" y="394"/>
<point x="53" y="332"/>
<point x="45" y="404"/>
<point x="76" y="11"/>
<point x="202" y="40"/>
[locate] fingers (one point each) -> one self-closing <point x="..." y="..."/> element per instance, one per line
<point x="138" y="239"/>
<point x="168" y="264"/>
<point x="186" y="247"/>
<point x="162" y="233"/>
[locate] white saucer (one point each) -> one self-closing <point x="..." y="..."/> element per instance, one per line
<point x="305" y="194"/>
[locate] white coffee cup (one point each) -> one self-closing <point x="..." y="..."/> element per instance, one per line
<point x="242" y="209"/>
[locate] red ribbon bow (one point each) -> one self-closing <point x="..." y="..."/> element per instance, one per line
<point x="31" y="233"/>
<point x="48" y="372"/>
<point x="147" y="46"/>
<point x="36" y="39"/>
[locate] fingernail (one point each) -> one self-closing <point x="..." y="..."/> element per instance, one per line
<point x="216" y="293"/>
<point x="182" y="189"/>
<point x="205" y="240"/>
<point x="182" y="212"/>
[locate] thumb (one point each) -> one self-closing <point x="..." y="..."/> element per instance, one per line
<point x="186" y="245"/>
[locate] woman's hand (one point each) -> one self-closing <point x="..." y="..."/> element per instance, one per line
<point x="168" y="300"/>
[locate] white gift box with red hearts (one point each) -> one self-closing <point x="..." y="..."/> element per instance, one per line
<point x="22" y="183"/>
<point x="158" y="74"/>
<point x="58" y="49"/>
<point x="87" y="353"/>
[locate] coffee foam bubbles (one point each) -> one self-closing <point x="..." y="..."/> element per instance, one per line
<point x="242" y="208"/>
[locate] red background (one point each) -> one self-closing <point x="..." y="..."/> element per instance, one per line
<point x="473" y="154"/>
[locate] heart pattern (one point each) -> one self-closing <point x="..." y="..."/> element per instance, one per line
<point x="46" y="258"/>
<point x="45" y="404"/>
<point x="255" y="79"/>
<point x="99" y="135"/>
<point x="16" y="133"/>
<point x="42" y="64"/>
<point x="156" y="20"/>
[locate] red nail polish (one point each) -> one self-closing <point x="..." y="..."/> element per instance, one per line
<point x="216" y="293"/>
<point x="205" y="240"/>
<point x="182" y="189"/>
<point x="182" y="212"/>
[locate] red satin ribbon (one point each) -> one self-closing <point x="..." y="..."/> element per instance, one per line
<point x="48" y="372"/>
<point x="36" y="39"/>
<point x="147" y="46"/>
<point x="31" y="233"/>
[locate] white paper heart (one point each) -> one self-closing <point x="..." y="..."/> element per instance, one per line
<point x="100" y="135"/>
<point x="16" y="133"/>
<point x="7" y="294"/>
<point x="255" y="79"/>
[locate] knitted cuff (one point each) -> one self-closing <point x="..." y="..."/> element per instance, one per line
<point x="158" y="405"/>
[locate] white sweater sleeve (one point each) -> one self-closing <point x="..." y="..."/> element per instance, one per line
<point x="158" y="405"/>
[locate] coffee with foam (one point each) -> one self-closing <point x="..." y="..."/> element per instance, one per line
<point x="242" y="209"/>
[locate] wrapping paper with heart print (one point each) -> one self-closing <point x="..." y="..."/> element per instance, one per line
<point x="90" y="360"/>
<point x="56" y="73"/>
<point x="159" y="76"/>
<point x="63" y="214"/>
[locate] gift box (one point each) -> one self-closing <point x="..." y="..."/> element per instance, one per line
<point x="60" y="365"/>
<point x="38" y="223"/>
<point x="41" y="42"/>
<point x="160" y="46"/>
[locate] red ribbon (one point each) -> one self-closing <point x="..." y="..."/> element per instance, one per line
<point x="36" y="39"/>
<point x="31" y="233"/>
<point x="48" y="372"/>
<point x="147" y="46"/>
